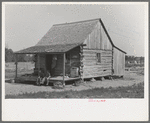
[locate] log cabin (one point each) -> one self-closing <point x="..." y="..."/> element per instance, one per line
<point x="78" y="50"/>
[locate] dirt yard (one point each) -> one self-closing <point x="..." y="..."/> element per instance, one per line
<point x="129" y="79"/>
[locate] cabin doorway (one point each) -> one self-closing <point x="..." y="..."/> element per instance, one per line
<point x="49" y="62"/>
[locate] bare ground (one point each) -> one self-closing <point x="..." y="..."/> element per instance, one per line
<point x="129" y="79"/>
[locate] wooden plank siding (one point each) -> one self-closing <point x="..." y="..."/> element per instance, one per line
<point x="98" y="39"/>
<point x="105" y="41"/>
<point x="118" y="62"/>
<point x="92" y="68"/>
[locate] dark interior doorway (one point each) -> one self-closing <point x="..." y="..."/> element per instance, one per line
<point x="49" y="62"/>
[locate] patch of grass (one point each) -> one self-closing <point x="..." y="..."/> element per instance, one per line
<point x="140" y="72"/>
<point x="11" y="74"/>
<point x="134" y="91"/>
<point x="23" y="68"/>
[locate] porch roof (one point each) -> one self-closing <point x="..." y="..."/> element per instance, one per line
<point x="59" y="48"/>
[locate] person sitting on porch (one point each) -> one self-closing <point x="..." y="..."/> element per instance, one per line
<point x="48" y="76"/>
<point x="41" y="78"/>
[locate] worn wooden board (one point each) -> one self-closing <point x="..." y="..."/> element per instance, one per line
<point x="118" y="62"/>
<point x="86" y="75"/>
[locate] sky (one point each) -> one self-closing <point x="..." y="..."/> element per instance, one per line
<point x="26" y="24"/>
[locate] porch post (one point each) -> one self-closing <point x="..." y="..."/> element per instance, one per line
<point x="64" y="57"/>
<point x="38" y="64"/>
<point x="16" y="62"/>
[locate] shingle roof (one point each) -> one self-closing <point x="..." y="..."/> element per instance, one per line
<point x="66" y="35"/>
<point x="63" y="37"/>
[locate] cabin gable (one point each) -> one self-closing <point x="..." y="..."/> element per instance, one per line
<point x="98" y="39"/>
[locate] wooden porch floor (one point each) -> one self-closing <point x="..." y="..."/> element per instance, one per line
<point x="34" y="78"/>
<point x="60" y="78"/>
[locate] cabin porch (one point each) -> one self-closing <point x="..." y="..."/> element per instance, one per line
<point x="59" y="66"/>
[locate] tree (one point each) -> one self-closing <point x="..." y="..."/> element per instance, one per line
<point x="141" y="60"/>
<point x="21" y="57"/>
<point x="9" y="55"/>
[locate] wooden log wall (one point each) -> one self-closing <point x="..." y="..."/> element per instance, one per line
<point x="119" y="62"/>
<point x="92" y="68"/>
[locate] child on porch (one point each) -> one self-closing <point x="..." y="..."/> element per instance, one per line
<point x="40" y="78"/>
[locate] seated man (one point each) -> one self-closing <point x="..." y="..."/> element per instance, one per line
<point x="43" y="78"/>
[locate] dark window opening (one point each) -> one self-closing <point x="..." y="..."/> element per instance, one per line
<point x="98" y="57"/>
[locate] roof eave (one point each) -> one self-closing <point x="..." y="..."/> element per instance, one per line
<point x="120" y="50"/>
<point x="40" y="53"/>
<point x="51" y="52"/>
<point x="109" y="36"/>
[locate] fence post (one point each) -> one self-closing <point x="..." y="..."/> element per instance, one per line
<point x="16" y="62"/>
<point x="64" y="57"/>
